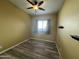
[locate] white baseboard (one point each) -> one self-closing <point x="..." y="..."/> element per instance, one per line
<point x="59" y="52"/>
<point x="13" y="46"/>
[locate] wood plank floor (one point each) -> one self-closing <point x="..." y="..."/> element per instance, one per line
<point x="32" y="49"/>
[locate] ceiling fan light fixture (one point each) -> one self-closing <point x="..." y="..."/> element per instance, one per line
<point x="35" y="7"/>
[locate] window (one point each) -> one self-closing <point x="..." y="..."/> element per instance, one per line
<point x="41" y="26"/>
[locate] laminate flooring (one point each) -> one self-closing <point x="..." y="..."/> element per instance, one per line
<point x="32" y="49"/>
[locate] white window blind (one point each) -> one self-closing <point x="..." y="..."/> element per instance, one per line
<point x="41" y="26"/>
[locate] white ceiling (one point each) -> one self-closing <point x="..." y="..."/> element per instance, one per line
<point x="50" y="6"/>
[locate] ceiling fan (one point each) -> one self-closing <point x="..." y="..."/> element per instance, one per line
<point x="36" y="5"/>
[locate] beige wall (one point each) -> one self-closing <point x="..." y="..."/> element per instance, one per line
<point x="69" y="18"/>
<point x="14" y="25"/>
<point x="49" y="37"/>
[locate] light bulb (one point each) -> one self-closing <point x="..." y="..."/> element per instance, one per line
<point x="35" y="7"/>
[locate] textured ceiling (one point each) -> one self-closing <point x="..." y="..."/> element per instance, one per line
<point x="50" y="6"/>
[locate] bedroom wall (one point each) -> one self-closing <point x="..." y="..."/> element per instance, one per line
<point x="69" y="18"/>
<point x="52" y="35"/>
<point x="15" y="25"/>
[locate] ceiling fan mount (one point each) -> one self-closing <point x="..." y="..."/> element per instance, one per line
<point x="36" y="5"/>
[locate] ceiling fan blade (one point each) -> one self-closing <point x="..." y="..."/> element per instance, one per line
<point x="30" y="8"/>
<point x="41" y="3"/>
<point x="35" y="2"/>
<point x="30" y="2"/>
<point x="41" y="9"/>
